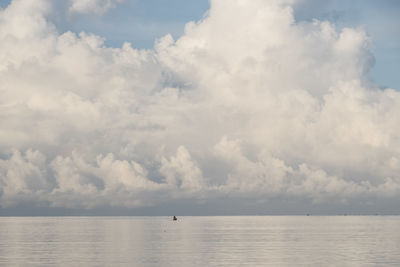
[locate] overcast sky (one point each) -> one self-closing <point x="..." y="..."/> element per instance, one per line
<point x="190" y="107"/>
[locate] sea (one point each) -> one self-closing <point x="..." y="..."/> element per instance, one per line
<point x="200" y="241"/>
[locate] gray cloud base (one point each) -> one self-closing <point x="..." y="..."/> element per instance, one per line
<point x="249" y="111"/>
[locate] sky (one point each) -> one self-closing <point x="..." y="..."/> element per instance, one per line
<point x="227" y="107"/>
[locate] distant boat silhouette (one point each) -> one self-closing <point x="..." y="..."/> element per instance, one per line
<point x="174" y="219"/>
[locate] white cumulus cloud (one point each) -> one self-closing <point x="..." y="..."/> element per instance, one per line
<point x="248" y="103"/>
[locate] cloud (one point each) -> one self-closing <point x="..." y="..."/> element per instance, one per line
<point x="181" y="171"/>
<point x="247" y="104"/>
<point x="92" y="6"/>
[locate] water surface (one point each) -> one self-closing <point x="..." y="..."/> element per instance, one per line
<point x="200" y="241"/>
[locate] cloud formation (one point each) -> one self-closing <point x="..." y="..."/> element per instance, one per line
<point x="92" y="6"/>
<point x="248" y="103"/>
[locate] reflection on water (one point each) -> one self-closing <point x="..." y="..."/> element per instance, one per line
<point x="200" y="241"/>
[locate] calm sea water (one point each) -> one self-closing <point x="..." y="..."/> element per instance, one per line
<point x="200" y="241"/>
